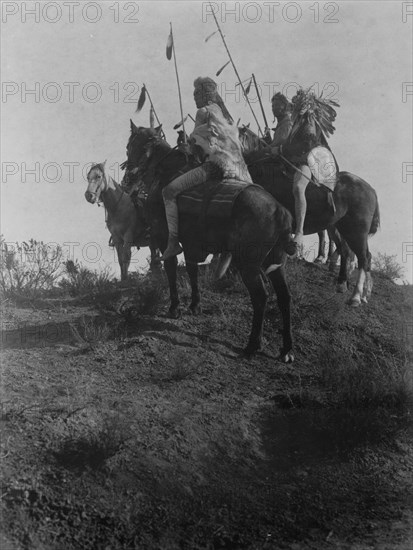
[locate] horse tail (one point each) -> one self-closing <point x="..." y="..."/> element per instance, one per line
<point x="375" y="222"/>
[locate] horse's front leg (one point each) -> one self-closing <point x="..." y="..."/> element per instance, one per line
<point x="192" y="270"/>
<point x="155" y="261"/>
<point x="343" y="251"/>
<point x="321" y="247"/>
<point x="360" y="247"/>
<point x="334" y="248"/>
<point x="170" y="269"/>
<point x="252" y="277"/>
<point x="279" y="283"/>
<point x="127" y="254"/>
<point x="121" y="249"/>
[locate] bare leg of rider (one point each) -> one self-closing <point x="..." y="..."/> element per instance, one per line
<point x="192" y="178"/>
<point x="299" y="186"/>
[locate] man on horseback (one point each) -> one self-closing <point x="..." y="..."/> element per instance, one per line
<point x="215" y="142"/>
<point x="300" y="141"/>
<point x="281" y="109"/>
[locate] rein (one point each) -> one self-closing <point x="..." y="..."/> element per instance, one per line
<point x="117" y="186"/>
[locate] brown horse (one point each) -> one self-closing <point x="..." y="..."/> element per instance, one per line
<point x="256" y="234"/>
<point x="124" y="221"/>
<point x="355" y="214"/>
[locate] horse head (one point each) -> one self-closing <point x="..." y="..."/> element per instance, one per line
<point x="136" y="150"/>
<point x="139" y="138"/>
<point x="147" y="154"/>
<point x="97" y="183"/>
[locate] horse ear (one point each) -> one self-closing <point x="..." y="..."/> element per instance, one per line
<point x="158" y="130"/>
<point x="133" y="127"/>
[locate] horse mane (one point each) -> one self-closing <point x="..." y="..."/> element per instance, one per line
<point x="164" y="162"/>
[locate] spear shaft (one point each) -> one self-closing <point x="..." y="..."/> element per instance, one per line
<point x="153" y="108"/>
<point x="259" y="99"/>
<point x="235" y="69"/>
<point x="179" y="87"/>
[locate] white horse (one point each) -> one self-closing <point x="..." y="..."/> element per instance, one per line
<point x="124" y="220"/>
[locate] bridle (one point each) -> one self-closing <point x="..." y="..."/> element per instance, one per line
<point x="103" y="186"/>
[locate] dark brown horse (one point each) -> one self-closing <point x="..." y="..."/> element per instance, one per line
<point x="355" y="213"/>
<point x="256" y="234"/>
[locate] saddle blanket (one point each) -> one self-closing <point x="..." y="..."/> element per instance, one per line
<point x="213" y="198"/>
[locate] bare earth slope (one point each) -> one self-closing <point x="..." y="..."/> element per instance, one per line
<point x="136" y="431"/>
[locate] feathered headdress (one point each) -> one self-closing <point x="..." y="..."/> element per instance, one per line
<point x="306" y="105"/>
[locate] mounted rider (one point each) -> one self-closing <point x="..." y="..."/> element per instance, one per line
<point x="215" y="142"/>
<point x="282" y="111"/>
<point x="300" y="140"/>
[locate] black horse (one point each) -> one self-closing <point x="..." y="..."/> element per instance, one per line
<point x="355" y="213"/>
<point x="256" y="234"/>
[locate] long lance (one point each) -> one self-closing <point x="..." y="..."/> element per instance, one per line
<point x="151" y="102"/>
<point x="235" y="69"/>
<point x="259" y="99"/>
<point x="179" y="87"/>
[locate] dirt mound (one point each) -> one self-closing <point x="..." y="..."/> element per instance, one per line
<point x="124" y="429"/>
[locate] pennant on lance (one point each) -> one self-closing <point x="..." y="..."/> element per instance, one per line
<point x="141" y="100"/>
<point x="169" y="46"/>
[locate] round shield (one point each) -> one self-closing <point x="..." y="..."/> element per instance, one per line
<point x="321" y="162"/>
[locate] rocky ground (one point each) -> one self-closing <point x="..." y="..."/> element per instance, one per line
<point x="122" y="428"/>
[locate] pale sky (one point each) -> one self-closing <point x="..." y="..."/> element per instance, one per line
<point x="72" y="73"/>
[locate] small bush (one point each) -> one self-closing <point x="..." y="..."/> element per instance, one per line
<point x="93" y="331"/>
<point x="370" y="397"/>
<point x="149" y="294"/>
<point x="367" y="381"/>
<point x="80" y="280"/>
<point x="387" y="266"/>
<point x="29" y="268"/>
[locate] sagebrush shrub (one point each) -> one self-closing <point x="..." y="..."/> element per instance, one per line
<point x="80" y="280"/>
<point x="29" y="267"/>
<point x="387" y="266"/>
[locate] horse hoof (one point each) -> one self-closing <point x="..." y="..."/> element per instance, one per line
<point x="318" y="260"/>
<point x="354" y="302"/>
<point x="195" y="310"/>
<point x="174" y="313"/>
<point x="286" y="357"/>
<point x="364" y="299"/>
<point x="341" y="288"/>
